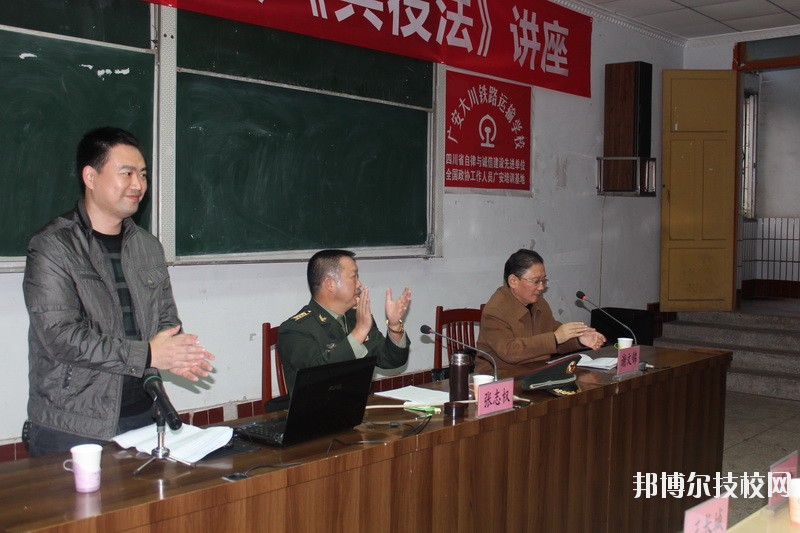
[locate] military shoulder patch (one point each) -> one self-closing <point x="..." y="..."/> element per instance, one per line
<point x="301" y="315"/>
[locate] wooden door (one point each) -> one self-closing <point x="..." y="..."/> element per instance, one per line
<point x="698" y="201"/>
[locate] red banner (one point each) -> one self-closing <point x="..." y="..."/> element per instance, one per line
<point x="488" y="134"/>
<point x="540" y="44"/>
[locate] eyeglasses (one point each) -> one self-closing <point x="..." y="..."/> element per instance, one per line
<point x="540" y="281"/>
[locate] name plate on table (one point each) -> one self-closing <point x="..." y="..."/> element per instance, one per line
<point x="779" y="475"/>
<point x="711" y="515"/>
<point x="495" y="396"/>
<point x="627" y="360"/>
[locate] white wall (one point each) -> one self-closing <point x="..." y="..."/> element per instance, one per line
<point x="778" y="194"/>
<point x="605" y="246"/>
<point x="711" y="56"/>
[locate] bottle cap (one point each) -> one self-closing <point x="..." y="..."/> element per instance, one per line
<point x="459" y="358"/>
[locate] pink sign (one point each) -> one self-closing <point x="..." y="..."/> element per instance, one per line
<point x="627" y="360"/>
<point x="487" y="135"/>
<point x="711" y="515"/>
<point x="779" y="475"/>
<point x="494" y="396"/>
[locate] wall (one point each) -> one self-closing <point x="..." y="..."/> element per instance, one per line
<point x="605" y="246"/>
<point x="713" y="53"/>
<point x="778" y="195"/>
<point x="770" y="244"/>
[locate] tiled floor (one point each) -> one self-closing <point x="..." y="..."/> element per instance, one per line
<point x="758" y="432"/>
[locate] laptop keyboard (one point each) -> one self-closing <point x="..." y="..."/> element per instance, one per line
<point x="269" y="430"/>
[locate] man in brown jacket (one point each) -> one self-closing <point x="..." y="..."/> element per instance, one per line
<point x="517" y="325"/>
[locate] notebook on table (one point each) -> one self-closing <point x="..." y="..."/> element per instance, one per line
<point x="326" y="399"/>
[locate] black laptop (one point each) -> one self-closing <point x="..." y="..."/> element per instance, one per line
<point x="326" y="399"/>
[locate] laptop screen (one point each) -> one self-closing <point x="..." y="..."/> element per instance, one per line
<point x="328" y="398"/>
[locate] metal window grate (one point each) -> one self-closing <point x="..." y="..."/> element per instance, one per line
<point x="771" y="249"/>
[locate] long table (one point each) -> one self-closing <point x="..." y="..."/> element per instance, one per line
<point x="555" y="464"/>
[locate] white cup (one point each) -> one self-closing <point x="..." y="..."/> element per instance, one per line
<point x="794" y="501"/>
<point x="624" y="342"/>
<point x="480" y="379"/>
<point x="85" y="465"/>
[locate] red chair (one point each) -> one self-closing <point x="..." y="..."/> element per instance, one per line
<point x="270" y="357"/>
<point x="458" y="324"/>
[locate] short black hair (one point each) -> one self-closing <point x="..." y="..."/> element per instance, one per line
<point x="94" y="146"/>
<point x="325" y="263"/>
<point x="519" y="262"/>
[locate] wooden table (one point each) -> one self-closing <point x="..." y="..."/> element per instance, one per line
<point x="767" y="520"/>
<point x="557" y="464"/>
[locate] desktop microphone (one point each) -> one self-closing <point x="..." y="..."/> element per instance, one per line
<point x="155" y="388"/>
<point x="427" y="331"/>
<point x="581" y="296"/>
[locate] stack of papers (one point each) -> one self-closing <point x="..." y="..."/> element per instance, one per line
<point x="417" y="395"/>
<point x="602" y="363"/>
<point x="188" y="444"/>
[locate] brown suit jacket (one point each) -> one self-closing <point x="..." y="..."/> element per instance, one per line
<point x="515" y="335"/>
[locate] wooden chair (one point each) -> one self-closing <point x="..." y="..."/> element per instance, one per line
<point x="270" y="358"/>
<point x="458" y="324"/>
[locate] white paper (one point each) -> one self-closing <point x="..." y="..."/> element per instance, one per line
<point x="417" y="395"/>
<point x="602" y="363"/>
<point x="188" y="444"/>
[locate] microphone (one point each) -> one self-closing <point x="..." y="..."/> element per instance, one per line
<point x="581" y="296"/>
<point x="428" y="331"/>
<point x="155" y="388"/>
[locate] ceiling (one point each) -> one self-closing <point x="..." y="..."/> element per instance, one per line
<point x="690" y="19"/>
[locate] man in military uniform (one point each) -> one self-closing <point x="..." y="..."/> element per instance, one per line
<point x="337" y="323"/>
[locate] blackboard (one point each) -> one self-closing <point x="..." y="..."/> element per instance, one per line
<point x="286" y="142"/>
<point x="52" y="92"/>
<point x="236" y="49"/>
<point x="264" y="168"/>
<point x="283" y="142"/>
<point x="122" y="22"/>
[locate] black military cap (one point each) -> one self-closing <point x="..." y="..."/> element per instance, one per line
<point x="556" y="377"/>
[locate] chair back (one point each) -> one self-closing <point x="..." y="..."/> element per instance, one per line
<point x="458" y="324"/>
<point x="270" y="358"/>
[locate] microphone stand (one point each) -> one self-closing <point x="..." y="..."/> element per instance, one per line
<point x="160" y="451"/>
<point x="583" y="298"/>
<point x="427" y="330"/>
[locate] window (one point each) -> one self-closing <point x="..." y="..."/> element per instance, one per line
<point x="749" y="135"/>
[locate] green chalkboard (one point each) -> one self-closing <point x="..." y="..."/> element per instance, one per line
<point x="283" y="142"/>
<point x="112" y="21"/>
<point x="314" y="144"/>
<point x="53" y="91"/>
<point x="233" y="48"/>
<point x="265" y="168"/>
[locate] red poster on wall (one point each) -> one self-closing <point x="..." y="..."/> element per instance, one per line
<point x="534" y="42"/>
<point x="487" y="133"/>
